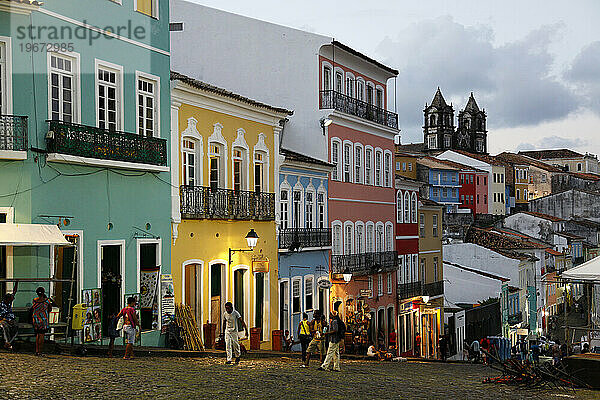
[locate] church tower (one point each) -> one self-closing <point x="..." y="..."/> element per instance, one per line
<point x="471" y="134"/>
<point x="438" y="128"/>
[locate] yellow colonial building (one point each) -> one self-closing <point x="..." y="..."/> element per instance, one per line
<point x="223" y="151"/>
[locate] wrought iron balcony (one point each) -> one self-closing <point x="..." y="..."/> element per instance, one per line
<point x="411" y="289"/>
<point x="92" y="142"/>
<point x="296" y="238"/>
<point x="358" y="108"/>
<point x="414" y="289"/>
<point x="364" y="263"/>
<point x="433" y="289"/>
<point x="200" y="202"/>
<point x="13" y="132"/>
<point x="515" y="318"/>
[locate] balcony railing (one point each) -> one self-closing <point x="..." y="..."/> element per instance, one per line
<point x="414" y="289"/>
<point x="296" y="238"/>
<point x="200" y="202"/>
<point x="358" y="108"/>
<point x="433" y="289"/>
<point x="13" y="132"/>
<point x="515" y="318"/>
<point x="92" y="142"/>
<point x="411" y="289"/>
<point x="364" y="263"/>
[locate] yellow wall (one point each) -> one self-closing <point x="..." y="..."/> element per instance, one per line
<point x="408" y="160"/>
<point x="207" y="241"/>
<point x="430" y="247"/>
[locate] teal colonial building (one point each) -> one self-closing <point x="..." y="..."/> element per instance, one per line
<point x="84" y="117"/>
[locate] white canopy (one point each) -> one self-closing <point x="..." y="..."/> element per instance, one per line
<point x="31" y="235"/>
<point x="588" y="271"/>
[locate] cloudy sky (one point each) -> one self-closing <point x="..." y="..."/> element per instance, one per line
<point x="533" y="65"/>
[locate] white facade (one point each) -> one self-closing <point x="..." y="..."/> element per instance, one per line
<point x="539" y="228"/>
<point x="496" y="179"/>
<point x="483" y="259"/>
<point x="464" y="286"/>
<point x="263" y="61"/>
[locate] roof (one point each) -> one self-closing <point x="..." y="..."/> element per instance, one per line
<point x="176" y="76"/>
<point x="411" y="148"/>
<point x="582" y="175"/>
<point x="586" y="222"/>
<point x="293" y="156"/>
<point x="438" y="101"/>
<point x="472" y="104"/>
<point x="569" y="235"/>
<point x="554" y="252"/>
<point x="543" y="216"/>
<point x="30" y="2"/>
<point x="429" y="203"/>
<point x="497" y="241"/>
<point x="434" y="163"/>
<point x="460" y="166"/>
<point x="477" y="271"/>
<point x="551" y="154"/>
<point x="364" y="57"/>
<point x="521" y="159"/>
<point x="481" y="157"/>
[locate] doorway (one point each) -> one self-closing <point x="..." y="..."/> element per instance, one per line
<point x="239" y="299"/>
<point x="323" y="301"/>
<point x="259" y="281"/>
<point x="3" y="269"/>
<point x="149" y="279"/>
<point x="381" y="327"/>
<point x="390" y="325"/>
<point x="193" y="291"/>
<point x="111" y="280"/>
<point x="216" y="295"/>
<point x="284" y="305"/>
<point x="66" y="268"/>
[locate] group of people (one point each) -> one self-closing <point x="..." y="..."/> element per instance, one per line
<point x="322" y="337"/>
<point x="479" y="350"/>
<point x="39" y="317"/>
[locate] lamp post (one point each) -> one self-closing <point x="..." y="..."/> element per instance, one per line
<point x="251" y="240"/>
<point x="325" y="122"/>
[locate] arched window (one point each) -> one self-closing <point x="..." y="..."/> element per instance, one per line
<point x="336" y="236"/>
<point x="370" y="232"/>
<point x="399" y="208"/>
<point x="413" y="208"/>
<point x="389" y="236"/>
<point x="378" y="169"/>
<point x="432" y="119"/>
<point x="368" y="166"/>
<point x="326" y="77"/>
<point x="406" y="208"/>
<point x="189" y="162"/>
<point x="379" y="237"/>
<point x="358" y="163"/>
<point x="348" y="237"/>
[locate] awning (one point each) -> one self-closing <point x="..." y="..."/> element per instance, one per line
<point x="588" y="271"/>
<point x="31" y="235"/>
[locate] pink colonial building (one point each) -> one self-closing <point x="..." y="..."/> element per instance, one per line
<point x="361" y="134"/>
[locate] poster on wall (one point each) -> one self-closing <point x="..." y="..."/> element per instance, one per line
<point x="92" y="323"/>
<point x="136" y="296"/>
<point x="167" y="299"/>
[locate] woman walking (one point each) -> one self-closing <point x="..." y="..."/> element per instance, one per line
<point x="304" y="335"/>
<point x="130" y="323"/>
<point x="40" y="309"/>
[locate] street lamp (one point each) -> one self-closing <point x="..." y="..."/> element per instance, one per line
<point x="325" y="122"/>
<point x="425" y="299"/>
<point x="347" y="276"/>
<point x="251" y="240"/>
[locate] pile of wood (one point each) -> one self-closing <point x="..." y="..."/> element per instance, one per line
<point x="529" y="375"/>
<point x="188" y="327"/>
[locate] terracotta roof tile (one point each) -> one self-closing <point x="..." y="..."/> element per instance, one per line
<point x="543" y="216"/>
<point x="521" y="159"/>
<point x="551" y="154"/>
<point x="293" y="156"/>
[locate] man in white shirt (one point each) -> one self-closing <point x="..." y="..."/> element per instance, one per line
<point x="230" y="327"/>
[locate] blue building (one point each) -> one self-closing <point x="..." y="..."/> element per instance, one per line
<point x="84" y="122"/>
<point x="304" y="238"/>
<point x="442" y="182"/>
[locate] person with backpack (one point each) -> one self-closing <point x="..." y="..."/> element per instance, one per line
<point x="335" y="334"/>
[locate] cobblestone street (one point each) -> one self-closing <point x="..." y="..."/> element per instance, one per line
<point x="25" y="376"/>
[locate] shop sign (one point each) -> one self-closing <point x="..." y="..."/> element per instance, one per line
<point x="324" y="283"/>
<point x="366" y="293"/>
<point x="260" y="265"/>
